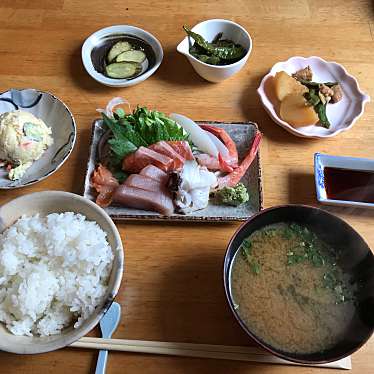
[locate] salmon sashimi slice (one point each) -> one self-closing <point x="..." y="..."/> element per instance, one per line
<point x="143" y="156"/>
<point x="182" y="148"/>
<point x="154" y="172"/>
<point x="144" y="183"/>
<point x="165" y="149"/>
<point x="105" y="184"/>
<point x="137" y="198"/>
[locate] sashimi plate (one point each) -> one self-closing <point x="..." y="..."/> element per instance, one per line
<point x="241" y="133"/>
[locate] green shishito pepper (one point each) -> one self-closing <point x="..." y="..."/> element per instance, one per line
<point x="218" y="52"/>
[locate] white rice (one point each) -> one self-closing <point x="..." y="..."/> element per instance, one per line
<point x="54" y="271"/>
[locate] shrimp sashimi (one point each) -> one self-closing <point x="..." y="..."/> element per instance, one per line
<point x="232" y="157"/>
<point x="143" y="156"/>
<point x="208" y="161"/>
<point x="213" y="163"/>
<point x="105" y="184"/>
<point x="233" y="178"/>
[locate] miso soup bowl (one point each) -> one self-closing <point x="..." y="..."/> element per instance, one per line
<point x="356" y="258"/>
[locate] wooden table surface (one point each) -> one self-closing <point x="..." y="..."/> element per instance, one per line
<point x="172" y="286"/>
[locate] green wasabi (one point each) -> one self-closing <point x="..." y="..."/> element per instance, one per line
<point x="234" y="196"/>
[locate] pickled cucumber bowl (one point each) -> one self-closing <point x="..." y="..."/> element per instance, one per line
<point x="121" y="56"/>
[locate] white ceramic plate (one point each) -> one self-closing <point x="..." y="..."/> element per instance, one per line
<point x="118" y="31"/>
<point x="57" y="116"/>
<point x="341" y="115"/>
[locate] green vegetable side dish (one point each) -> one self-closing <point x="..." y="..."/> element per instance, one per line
<point x="123" y="61"/>
<point x="121" y="70"/>
<point x="131" y="56"/>
<point x="142" y="127"/>
<point x="117" y="49"/>
<point x="321" y="111"/>
<point x="218" y="52"/>
<point x="234" y="196"/>
<point x="319" y="94"/>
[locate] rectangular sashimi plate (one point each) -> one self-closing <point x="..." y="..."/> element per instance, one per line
<point x="241" y="133"/>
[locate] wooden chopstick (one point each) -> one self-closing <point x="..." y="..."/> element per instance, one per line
<point x="238" y="353"/>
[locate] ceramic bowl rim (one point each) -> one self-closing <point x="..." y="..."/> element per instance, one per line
<point x="323" y="160"/>
<point x="229" y="299"/>
<point x="71" y="148"/>
<point x="86" y="326"/>
<point x="219" y="67"/>
<point x="101" y="78"/>
<point x="364" y="98"/>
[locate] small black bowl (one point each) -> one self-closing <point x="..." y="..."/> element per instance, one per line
<point x="355" y="256"/>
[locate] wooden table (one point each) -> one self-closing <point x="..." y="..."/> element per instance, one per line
<point x="172" y="287"/>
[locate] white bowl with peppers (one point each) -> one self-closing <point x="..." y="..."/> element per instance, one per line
<point x="216" y="48"/>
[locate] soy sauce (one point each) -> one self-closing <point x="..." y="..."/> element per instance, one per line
<point x="100" y="52"/>
<point x="350" y="185"/>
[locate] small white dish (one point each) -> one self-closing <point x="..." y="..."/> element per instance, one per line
<point x="102" y="35"/>
<point x="208" y="30"/>
<point x="57" y="116"/>
<point x="44" y="203"/>
<point x="341" y="115"/>
<point x="321" y="161"/>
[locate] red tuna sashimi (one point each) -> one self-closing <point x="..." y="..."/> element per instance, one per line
<point x="104" y="183"/>
<point x="136" y="161"/>
<point x="131" y="197"/>
<point x="165" y="149"/>
<point x="182" y="148"/>
<point x="154" y="172"/>
<point x="144" y="183"/>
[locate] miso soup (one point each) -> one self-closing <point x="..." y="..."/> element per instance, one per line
<point x="289" y="290"/>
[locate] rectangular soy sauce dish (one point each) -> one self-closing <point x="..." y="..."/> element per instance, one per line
<point x="241" y="132"/>
<point x="349" y="164"/>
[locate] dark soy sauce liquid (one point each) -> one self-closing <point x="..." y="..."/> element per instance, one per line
<point x="351" y="185"/>
<point x="100" y="52"/>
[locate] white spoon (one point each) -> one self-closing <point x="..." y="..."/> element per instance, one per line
<point x="108" y="325"/>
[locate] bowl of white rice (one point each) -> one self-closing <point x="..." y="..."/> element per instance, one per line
<point x="61" y="265"/>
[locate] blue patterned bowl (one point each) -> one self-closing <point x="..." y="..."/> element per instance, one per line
<point x="321" y="161"/>
<point x="57" y="116"/>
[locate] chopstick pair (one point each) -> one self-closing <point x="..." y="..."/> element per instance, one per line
<point x="237" y="353"/>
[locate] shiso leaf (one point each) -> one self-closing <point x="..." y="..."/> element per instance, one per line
<point x="142" y="127"/>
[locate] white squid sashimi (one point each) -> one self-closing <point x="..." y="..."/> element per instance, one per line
<point x="220" y="146"/>
<point x="193" y="187"/>
<point x="193" y="200"/>
<point x="194" y="176"/>
<point x="198" y="135"/>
